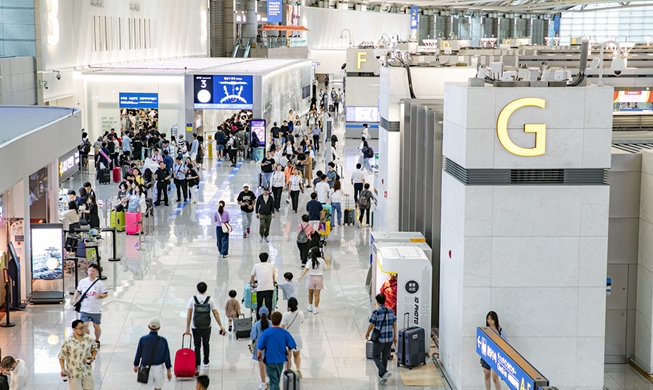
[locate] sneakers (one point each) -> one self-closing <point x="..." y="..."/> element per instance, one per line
<point x="385" y="376"/>
<point x="230" y="327"/>
<point x="248" y="231"/>
<point x="316" y="310"/>
<point x="267" y="238"/>
<point x="261" y="240"/>
<point x="224" y="256"/>
<point x="262" y="386"/>
<point x="244" y="235"/>
<point x="97" y="344"/>
<point x="287" y="200"/>
<point x="309" y="308"/>
<point x="205" y="365"/>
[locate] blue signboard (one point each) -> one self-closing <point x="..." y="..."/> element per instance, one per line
<point x="414" y="17"/>
<point x="139" y="100"/>
<point x="511" y="367"/>
<point x="556" y="24"/>
<point x="275" y="11"/>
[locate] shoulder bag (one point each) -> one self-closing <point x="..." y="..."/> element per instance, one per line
<point x="376" y="333"/>
<point x="78" y="305"/>
<point x="226" y="228"/>
<point x="143" y="374"/>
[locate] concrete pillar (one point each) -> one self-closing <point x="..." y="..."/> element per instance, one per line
<point x="526" y="236"/>
<point x="250" y="30"/>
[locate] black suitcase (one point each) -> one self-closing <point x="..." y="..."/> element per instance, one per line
<point x="411" y="350"/>
<point x="290" y="380"/>
<point x="350" y="214"/>
<point x="242" y="327"/>
<point x="104" y="176"/>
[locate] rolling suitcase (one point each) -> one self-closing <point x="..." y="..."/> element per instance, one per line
<point x="242" y="327"/>
<point x="184" y="365"/>
<point x="104" y="176"/>
<point x="369" y="350"/>
<point x="350" y="214"/>
<point x="118" y="220"/>
<point x="247" y="296"/>
<point x="410" y="345"/>
<point x="116" y="175"/>
<point x="291" y="380"/>
<point x="133" y="223"/>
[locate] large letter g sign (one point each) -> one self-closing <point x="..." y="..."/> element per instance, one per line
<point x="538" y="129"/>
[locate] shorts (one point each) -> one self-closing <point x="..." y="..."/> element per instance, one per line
<point x="96" y="318"/>
<point x="84" y="383"/>
<point x="193" y="156"/>
<point x="298" y="340"/>
<point x="156" y="379"/>
<point x="219" y="147"/>
<point x="485" y="365"/>
<point x="315" y="282"/>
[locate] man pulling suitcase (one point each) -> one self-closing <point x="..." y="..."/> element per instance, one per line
<point x="383" y="333"/>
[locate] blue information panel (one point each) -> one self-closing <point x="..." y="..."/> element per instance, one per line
<point x="139" y="100"/>
<point x="414" y="17"/>
<point x="224" y="92"/>
<point x="275" y="11"/>
<point x="511" y="367"/>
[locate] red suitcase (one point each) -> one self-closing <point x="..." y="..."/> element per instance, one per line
<point x="132" y="223"/>
<point x="184" y="365"/>
<point x="116" y="174"/>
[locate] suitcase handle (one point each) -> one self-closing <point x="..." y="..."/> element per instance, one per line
<point x="183" y="337"/>
<point x="406" y="320"/>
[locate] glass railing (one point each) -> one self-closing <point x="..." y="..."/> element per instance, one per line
<point x="276" y="42"/>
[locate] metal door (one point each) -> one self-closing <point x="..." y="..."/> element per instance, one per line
<point x="616" y="319"/>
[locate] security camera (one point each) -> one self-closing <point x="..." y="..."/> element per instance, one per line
<point x="617" y="66"/>
<point x="45" y="85"/>
<point x="58" y="75"/>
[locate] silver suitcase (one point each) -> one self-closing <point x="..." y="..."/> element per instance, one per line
<point x="369" y="349"/>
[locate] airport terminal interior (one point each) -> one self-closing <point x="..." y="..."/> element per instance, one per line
<point x="482" y="174"/>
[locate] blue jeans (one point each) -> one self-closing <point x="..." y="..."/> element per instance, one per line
<point x="336" y="209"/>
<point x="366" y="163"/>
<point x="222" y="241"/>
<point x="266" y="179"/>
<point x="274" y="372"/>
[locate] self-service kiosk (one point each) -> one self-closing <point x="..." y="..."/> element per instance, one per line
<point x="413" y="272"/>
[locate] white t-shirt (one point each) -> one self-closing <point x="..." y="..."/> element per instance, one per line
<point x="320" y="268"/>
<point x="357" y="176"/>
<point x="295" y="181"/>
<point x="336" y="196"/>
<point x="366" y="134"/>
<point x="322" y="190"/>
<point x="201" y="298"/>
<point x="91" y="304"/>
<point x="277" y="155"/>
<point x="295" y="318"/>
<point x="19" y="374"/>
<point x="264" y="275"/>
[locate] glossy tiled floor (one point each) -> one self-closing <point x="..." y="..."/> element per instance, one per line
<point x="158" y="280"/>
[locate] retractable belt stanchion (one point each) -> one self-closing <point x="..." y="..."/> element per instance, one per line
<point x="114" y="256"/>
<point x="7" y="324"/>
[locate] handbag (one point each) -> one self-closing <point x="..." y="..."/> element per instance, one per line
<point x="78" y="305"/>
<point x="226" y="228"/>
<point x="376" y="333"/>
<point x="143" y="374"/>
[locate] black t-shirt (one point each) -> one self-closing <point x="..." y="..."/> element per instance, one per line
<point x="248" y="198"/>
<point x="269" y="167"/>
<point x="275" y="132"/>
<point x="161" y="175"/>
<point x="314" y="208"/>
<point x="301" y="157"/>
<point x="285" y="130"/>
<point x="111" y="146"/>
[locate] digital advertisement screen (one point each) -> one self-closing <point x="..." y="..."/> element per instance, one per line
<point x="258" y="128"/>
<point x="362" y="114"/>
<point x="47" y="251"/>
<point x="139" y="100"/>
<point x="306" y="91"/>
<point x="224" y="92"/>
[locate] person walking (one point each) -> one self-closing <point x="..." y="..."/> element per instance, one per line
<point x="180" y="171"/>
<point x="322" y="189"/>
<point x="246" y="200"/>
<point x="383" y="319"/>
<point x="222" y="229"/>
<point x="16" y="370"/>
<point x="314" y="208"/>
<point x="315" y="281"/>
<point x="194" y="148"/>
<point x="296" y="184"/>
<point x="357" y="180"/>
<point x="263" y="278"/>
<point x="200" y="307"/>
<point x="275" y="341"/>
<point x="265" y="212"/>
<point x="292" y="321"/>
<point x="336" y="201"/>
<point x="257" y="330"/>
<point x="266" y="169"/>
<point x="492" y="321"/>
<point x="153" y="352"/>
<point x="278" y="182"/>
<point x="90" y="292"/>
<point x="162" y="176"/>
<point x="304" y="233"/>
<point x="75" y="358"/>
<point x="365" y="204"/>
<point x="368" y="154"/>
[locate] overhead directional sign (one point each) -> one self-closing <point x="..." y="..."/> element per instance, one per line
<point x="414" y="17"/>
<point x="511" y="367"/>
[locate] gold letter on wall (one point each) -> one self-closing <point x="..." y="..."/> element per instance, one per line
<point x="538" y="129"/>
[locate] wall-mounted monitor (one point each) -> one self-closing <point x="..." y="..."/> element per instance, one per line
<point x="223" y="92"/>
<point x="362" y="114"/>
<point x="258" y="128"/>
<point x="306" y="91"/>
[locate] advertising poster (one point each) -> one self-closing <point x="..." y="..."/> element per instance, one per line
<point x="258" y="128"/>
<point x="17" y="235"/>
<point x="47" y="252"/>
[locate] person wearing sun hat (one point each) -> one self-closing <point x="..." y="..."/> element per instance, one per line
<point x="153" y="351"/>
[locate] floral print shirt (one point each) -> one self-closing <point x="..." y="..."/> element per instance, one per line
<point x="74" y="353"/>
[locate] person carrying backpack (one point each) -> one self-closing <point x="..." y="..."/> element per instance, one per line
<point x="368" y="153"/>
<point x="365" y="204"/>
<point x="200" y="307"/>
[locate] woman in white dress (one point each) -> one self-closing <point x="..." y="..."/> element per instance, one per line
<point x="291" y="321"/>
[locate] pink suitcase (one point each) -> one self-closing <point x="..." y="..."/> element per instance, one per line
<point x="132" y="223"/>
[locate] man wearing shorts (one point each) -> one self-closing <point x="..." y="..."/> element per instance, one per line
<point x="75" y="358"/>
<point x="94" y="292"/>
<point x="153" y="351"/>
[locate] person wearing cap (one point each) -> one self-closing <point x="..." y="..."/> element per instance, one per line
<point x="246" y="200"/>
<point x="265" y="212"/>
<point x="257" y="330"/>
<point x="153" y="351"/>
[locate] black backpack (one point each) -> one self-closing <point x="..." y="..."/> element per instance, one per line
<point x="369" y="153"/>
<point x="202" y="314"/>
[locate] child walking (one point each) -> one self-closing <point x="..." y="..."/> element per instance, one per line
<point x="232" y="308"/>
